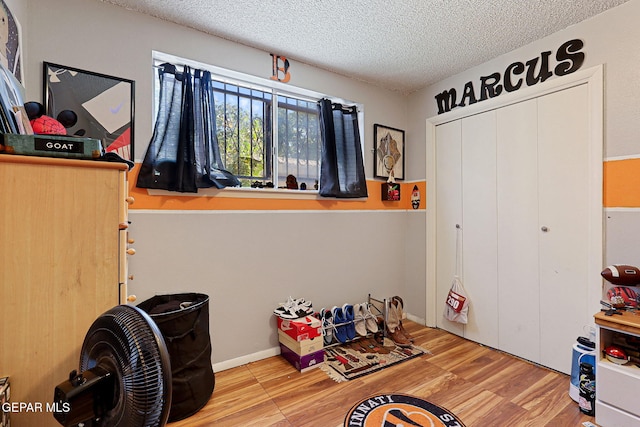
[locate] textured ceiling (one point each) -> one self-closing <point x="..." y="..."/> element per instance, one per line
<point x="402" y="45"/>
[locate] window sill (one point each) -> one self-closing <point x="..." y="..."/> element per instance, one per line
<point x="244" y="192"/>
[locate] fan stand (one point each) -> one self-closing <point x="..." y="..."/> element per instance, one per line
<point x="86" y="396"/>
<point x="125" y="375"/>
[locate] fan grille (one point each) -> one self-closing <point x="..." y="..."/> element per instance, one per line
<point x="129" y="344"/>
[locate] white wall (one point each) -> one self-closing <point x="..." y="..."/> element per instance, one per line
<point x="246" y="262"/>
<point x="610" y="39"/>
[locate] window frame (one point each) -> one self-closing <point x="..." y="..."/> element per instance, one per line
<point x="276" y="88"/>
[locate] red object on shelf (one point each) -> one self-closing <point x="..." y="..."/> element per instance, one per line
<point x="616" y="355"/>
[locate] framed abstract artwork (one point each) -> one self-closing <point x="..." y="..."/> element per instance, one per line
<point x="388" y="152"/>
<point x="103" y="105"/>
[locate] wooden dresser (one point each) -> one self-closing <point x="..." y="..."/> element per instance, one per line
<point x="62" y="264"/>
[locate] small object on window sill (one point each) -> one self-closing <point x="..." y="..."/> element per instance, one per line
<point x="292" y="182"/>
<point x="303" y="186"/>
<point x="257" y="184"/>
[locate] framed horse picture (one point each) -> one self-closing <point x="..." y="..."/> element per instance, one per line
<point x="388" y="152"/>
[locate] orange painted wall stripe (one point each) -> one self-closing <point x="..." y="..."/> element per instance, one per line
<point x="185" y="201"/>
<point x="621" y="183"/>
<point x="621" y="188"/>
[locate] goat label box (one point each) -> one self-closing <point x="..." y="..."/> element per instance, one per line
<point x="300" y="329"/>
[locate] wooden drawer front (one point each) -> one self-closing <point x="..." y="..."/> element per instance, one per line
<point x="618" y="386"/>
<point x="608" y="416"/>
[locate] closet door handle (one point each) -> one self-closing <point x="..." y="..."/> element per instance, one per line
<point x="544" y="228"/>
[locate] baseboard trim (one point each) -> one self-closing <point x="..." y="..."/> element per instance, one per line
<point x="416" y="319"/>
<point x="248" y="358"/>
<point x="274" y="351"/>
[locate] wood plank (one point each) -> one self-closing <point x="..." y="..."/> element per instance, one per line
<point x="480" y="385"/>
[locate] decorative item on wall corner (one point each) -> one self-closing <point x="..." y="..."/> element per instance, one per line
<point x="388" y="153"/>
<point x="415" y="197"/>
<point x="104" y="105"/>
<point x="390" y="192"/>
<point x="280" y="68"/>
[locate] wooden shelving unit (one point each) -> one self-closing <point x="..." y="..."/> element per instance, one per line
<point x="617" y="386"/>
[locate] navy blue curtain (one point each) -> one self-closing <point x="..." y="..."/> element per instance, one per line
<point x="183" y="154"/>
<point x="342" y="168"/>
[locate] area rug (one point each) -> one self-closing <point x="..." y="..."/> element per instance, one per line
<point x="395" y="410"/>
<point x="364" y="356"/>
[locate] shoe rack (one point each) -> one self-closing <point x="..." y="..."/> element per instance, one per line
<point x="378" y="307"/>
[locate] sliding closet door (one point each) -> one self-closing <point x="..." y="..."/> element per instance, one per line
<point x="518" y="231"/>
<point x="524" y="178"/>
<point x="479" y="226"/>
<point x="563" y="126"/>
<point x="448" y="214"/>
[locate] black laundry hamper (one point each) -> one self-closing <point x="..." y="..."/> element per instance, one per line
<point x="183" y="320"/>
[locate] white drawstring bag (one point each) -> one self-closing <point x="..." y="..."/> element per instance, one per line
<point x="456" y="306"/>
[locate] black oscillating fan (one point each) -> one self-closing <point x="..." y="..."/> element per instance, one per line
<point x="125" y="374"/>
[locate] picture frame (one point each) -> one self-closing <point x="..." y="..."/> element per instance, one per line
<point x="11" y="42"/>
<point x="103" y="104"/>
<point x="388" y="152"/>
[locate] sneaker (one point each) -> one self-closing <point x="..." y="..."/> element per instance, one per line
<point x="340" y="322"/>
<point x="369" y="319"/>
<point x="328" y="328"/>
<point x="295" y="301"/>
<point x="359" y="319"/>
<point x="349" y="316"/>
<point x="294" y="308"/>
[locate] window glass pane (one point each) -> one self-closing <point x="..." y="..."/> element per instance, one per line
<point x="242" y="119"/>
<point x="257" y="138"/>
<point x="298" y="141"/>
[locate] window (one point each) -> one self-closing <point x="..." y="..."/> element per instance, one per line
<point x="245" y="124"/>
<point x="299" y="146"/>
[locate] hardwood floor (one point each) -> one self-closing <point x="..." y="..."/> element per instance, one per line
<point x="483" y="387"/>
